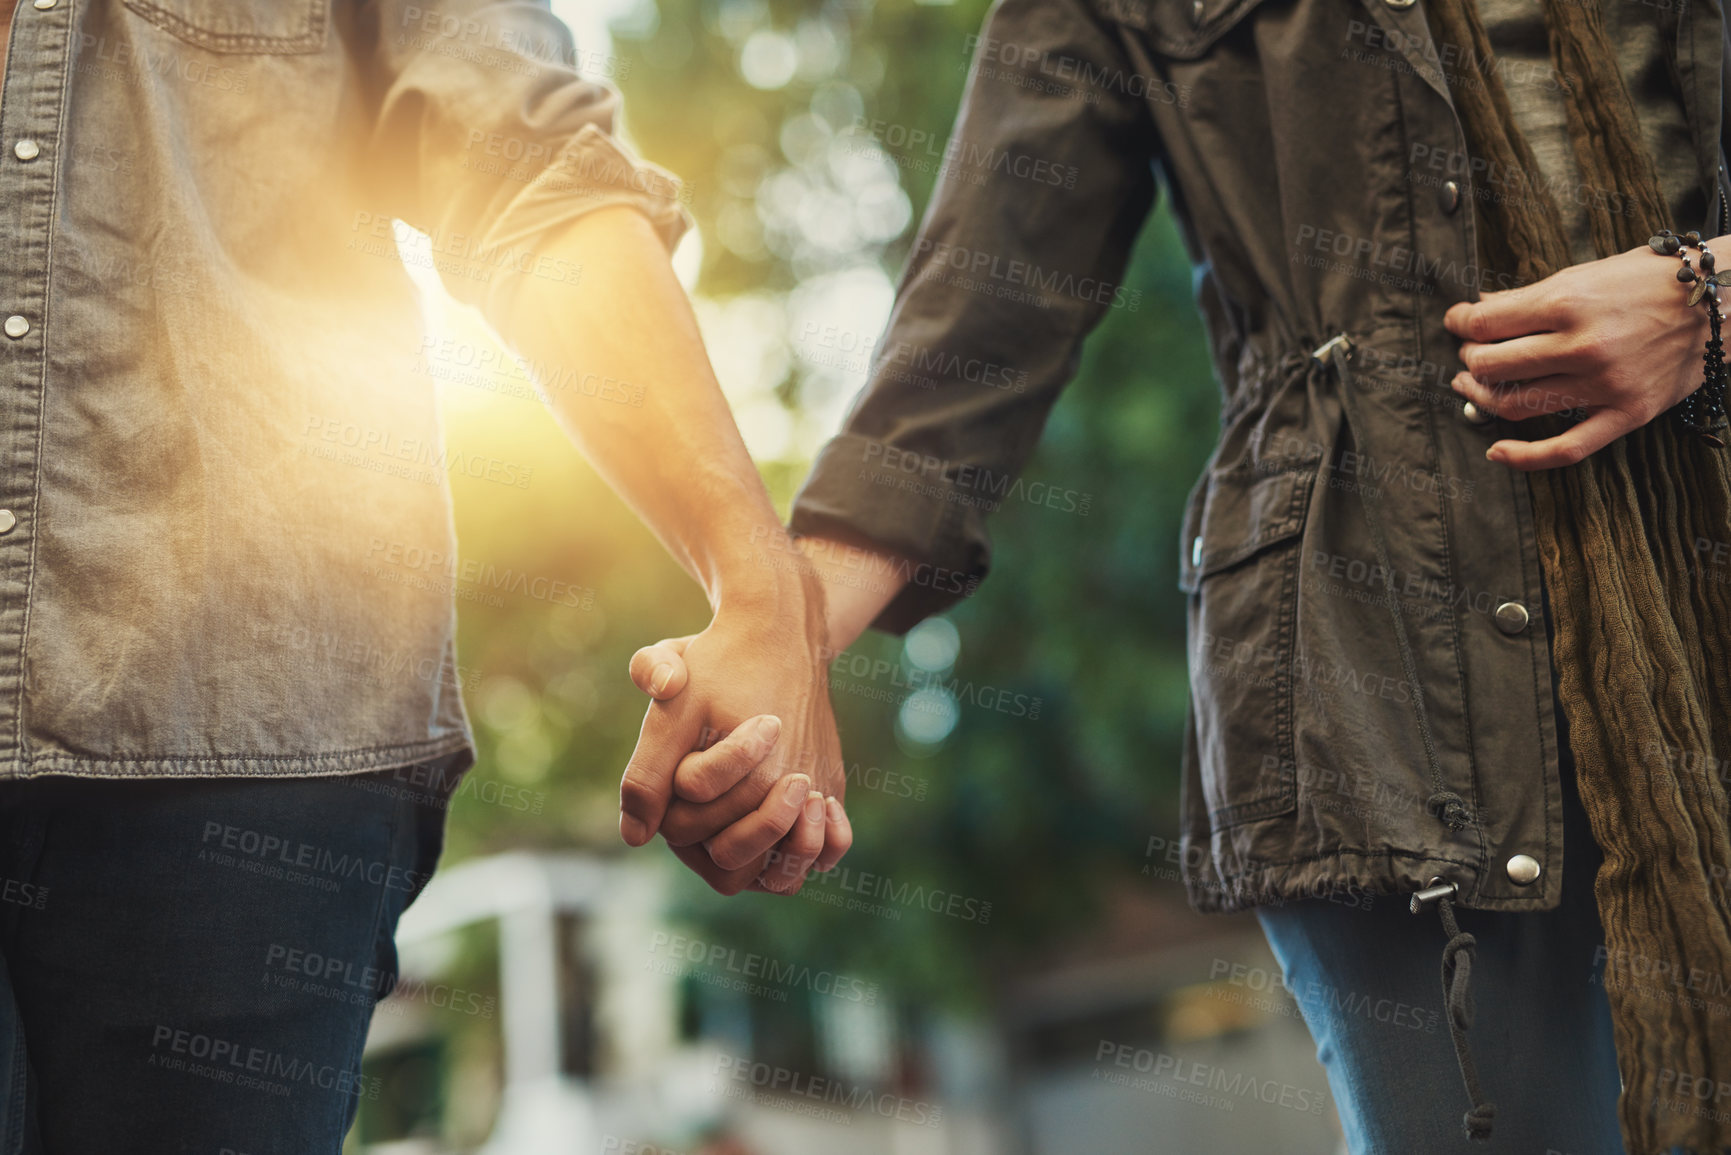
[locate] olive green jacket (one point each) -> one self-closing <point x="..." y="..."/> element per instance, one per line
<point x="1318" y="172"/>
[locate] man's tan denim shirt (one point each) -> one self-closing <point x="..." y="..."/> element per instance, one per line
<point x="217" y="410"/>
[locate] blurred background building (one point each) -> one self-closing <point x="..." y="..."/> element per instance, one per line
<point x="548" y="1006"/>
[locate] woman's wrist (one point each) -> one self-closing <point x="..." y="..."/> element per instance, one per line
<point x="858" y="584"/>
<point x="1700" y="406"/>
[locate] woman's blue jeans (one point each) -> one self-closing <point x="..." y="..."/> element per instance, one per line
<point x="1541" y="1036"/>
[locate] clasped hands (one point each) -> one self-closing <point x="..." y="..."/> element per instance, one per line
<point x="738" y="765"/>
<point x="1613" y="337"/>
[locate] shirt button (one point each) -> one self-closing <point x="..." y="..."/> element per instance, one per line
<point x="1449" y="196"/>
<point x="1400" y="3"/>
<point x="1511" y="617"/>
<point x="45" y="5"/>
<point x="1524" y="870"/>
<point x="1196" y="550"/>
<point x="7" y="520"/>
<point x="1476" y="415"/>
<point x="26" y="150"/>
<point x="16" y="326"/>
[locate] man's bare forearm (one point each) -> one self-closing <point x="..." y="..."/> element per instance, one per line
<point x="676" y="458"/>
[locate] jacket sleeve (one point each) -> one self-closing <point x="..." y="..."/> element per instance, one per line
<point x="488" y="137"/>
<point x="1047" y="178"/>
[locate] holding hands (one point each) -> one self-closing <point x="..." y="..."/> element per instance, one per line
<point x="738" y="765"/>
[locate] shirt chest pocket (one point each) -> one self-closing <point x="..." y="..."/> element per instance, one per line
<point x="256" y="27"/>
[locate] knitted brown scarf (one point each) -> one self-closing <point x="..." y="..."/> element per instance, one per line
<point x="1633" y="545"/>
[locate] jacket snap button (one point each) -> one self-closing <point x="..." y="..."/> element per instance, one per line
<point x="1196" y="550"/>
<point x="1524" y="870"/>
<point x="1476" y="415"/>
<point x="16" y="326"/>
<point x="1449" y="196"/>
<point x="1511" y="617"/>
<point x="1400" y="3"/>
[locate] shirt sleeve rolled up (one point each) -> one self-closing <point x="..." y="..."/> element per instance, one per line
<point x="490" y="135"/>
<point x="1046" y="180"/>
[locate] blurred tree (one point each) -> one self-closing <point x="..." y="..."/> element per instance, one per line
<point x="1037" y="816"/>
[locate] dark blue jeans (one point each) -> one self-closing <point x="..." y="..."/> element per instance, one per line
<point x="191" y="965"/>
<point x="1541" y="1036"/>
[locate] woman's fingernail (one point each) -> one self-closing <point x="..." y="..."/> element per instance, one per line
<point x="768" y="729"/>
<point x="814" y="807"/>
<point x="797" y="787"/>
<point x="836" y="814"/>
<point x="658" y="680"/>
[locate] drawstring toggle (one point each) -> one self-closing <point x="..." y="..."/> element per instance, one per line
<point x="1457" y="977"/>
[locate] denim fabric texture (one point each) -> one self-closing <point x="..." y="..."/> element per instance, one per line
<point x="227" y="546"/>
<point x="191" y="965"/>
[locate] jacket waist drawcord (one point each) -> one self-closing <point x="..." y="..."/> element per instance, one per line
<point x="1444" y="804"/>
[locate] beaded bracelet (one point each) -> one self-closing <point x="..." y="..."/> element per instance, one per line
<point x="1703" y="411"/>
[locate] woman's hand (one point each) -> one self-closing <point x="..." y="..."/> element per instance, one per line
<point x="1614" y="337"/>
<point x="726" y="813"/>
<point x="717" y="808"/>
<point x="740" y="770"/>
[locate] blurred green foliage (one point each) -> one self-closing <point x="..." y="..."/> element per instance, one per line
<point x="1039" y="817"/>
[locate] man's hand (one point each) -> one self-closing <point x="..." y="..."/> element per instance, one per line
<point x="678" y="461"/>
<point x="719" y="791"/>
<point x="1612" y="336"/>
<point x="758" y="808"/>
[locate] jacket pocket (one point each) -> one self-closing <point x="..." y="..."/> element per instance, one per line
<point x="1180" y="29"/>
<point x="1241" y="569"/>
<point x="260" y="27"/>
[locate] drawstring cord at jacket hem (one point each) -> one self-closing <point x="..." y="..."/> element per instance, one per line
<point x="1457" y="977"/>
<point x="1443" y="804"/>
